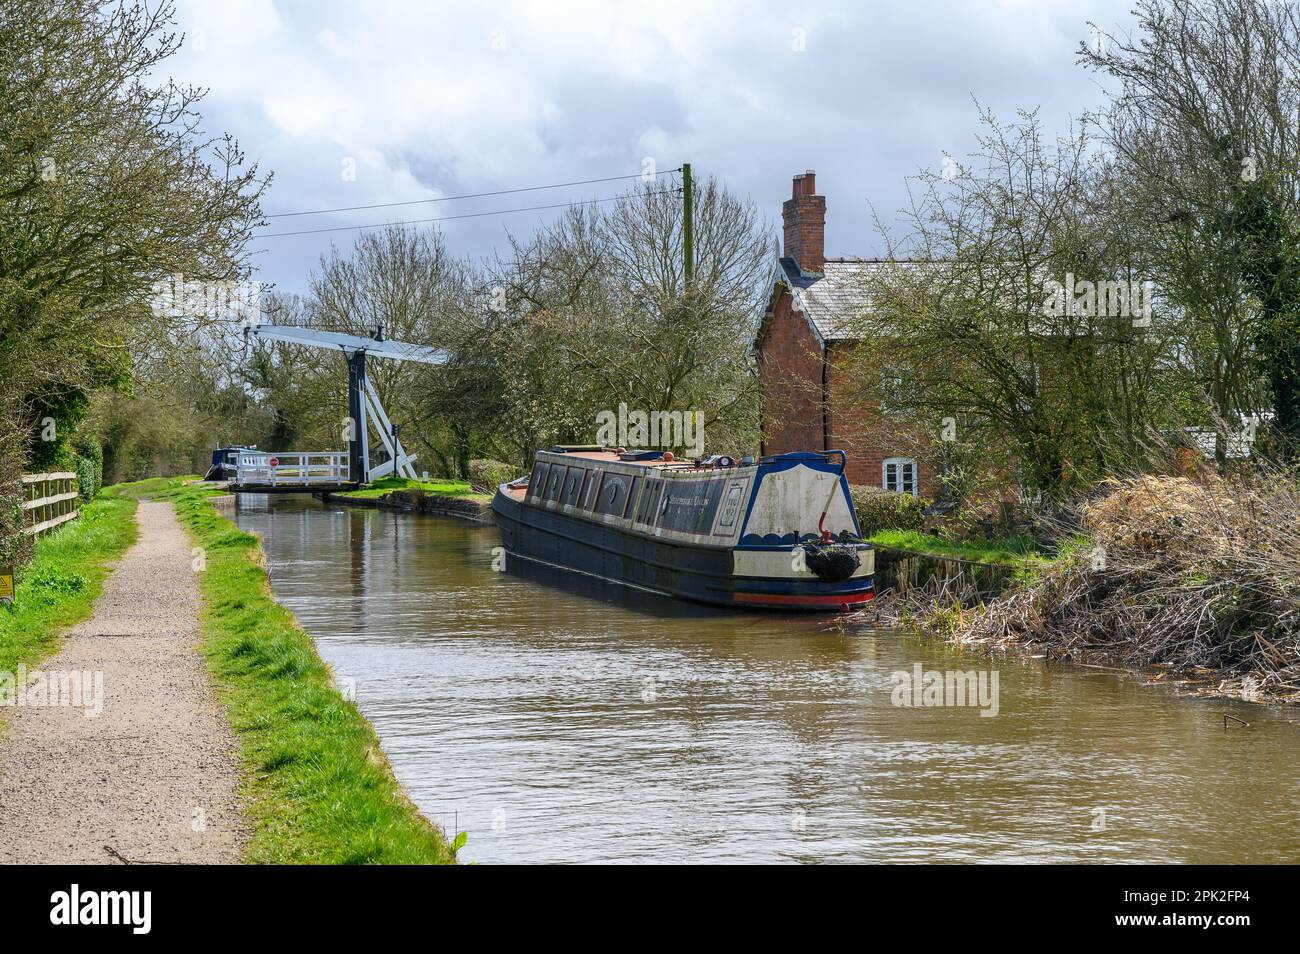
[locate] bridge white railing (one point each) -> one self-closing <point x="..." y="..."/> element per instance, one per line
<point x="261" y="469"/>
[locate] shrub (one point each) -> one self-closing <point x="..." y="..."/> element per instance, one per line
<point x="92" y="450"/>
<point x="488" y="474"/>
<point x="15" y="546"/>
<point x="90" y="471"/>
<point x="887" y="510"/>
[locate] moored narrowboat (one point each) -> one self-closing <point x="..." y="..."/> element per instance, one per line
<point x="778" y="533"/>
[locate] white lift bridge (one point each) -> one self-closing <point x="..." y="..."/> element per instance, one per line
<point x="367" y="419"/>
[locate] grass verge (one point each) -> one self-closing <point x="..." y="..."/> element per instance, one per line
<point x="441" y="488"/>
<point x="59" y="587"/>
<point x="1007" y="551"/>
<point x="316" y="786"/>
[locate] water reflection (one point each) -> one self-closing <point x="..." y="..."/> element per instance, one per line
<point x="556" y="718"/>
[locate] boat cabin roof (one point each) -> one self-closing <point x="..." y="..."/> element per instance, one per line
<point x="589" y="457"/>
<point x="652" y="460"/>
<point x="612" y="457"/>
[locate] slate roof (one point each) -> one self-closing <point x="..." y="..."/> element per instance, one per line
<point x="833" y="300"/>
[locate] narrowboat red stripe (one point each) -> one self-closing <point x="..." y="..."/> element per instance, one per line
<point x="805" y="599"/>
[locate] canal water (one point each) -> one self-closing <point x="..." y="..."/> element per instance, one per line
<point x="556" y="719"/>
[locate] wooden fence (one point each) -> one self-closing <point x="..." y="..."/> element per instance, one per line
<point x="49" y="501"/>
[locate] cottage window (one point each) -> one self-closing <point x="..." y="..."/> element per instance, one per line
<point x="1029" y="379"/>
<point x="897" y="390"/>
<point x="900" y="475"/>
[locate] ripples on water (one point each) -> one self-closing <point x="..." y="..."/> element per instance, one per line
<point x="556" y="719"/>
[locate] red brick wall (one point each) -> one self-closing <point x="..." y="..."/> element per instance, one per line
<point x="790" y="374"/>
<point x="865" y="435"/>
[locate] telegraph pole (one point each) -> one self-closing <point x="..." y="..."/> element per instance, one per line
<point x="688" y="223"/>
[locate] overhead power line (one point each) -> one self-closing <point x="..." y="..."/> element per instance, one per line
<point x="463" y="215"/>
<point x="472" y="195"/>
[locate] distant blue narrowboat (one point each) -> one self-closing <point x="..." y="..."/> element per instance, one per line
<point x="225" y="462"/>
<point x="779" y="533"/>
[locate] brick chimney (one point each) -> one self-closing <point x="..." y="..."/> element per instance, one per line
<point x="804" y="216"/>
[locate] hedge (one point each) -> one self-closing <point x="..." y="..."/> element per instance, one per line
<point x="887" y="510"/>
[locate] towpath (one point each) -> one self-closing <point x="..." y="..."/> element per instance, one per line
<point x="153" y="776"/>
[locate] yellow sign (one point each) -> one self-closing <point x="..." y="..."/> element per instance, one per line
<point x="6" y="584"/>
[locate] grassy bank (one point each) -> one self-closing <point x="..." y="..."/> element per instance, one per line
<point x="1004" y="551"/>
<point x="316" y="785"/>
<point x="438" y="488"/>
<point x="60" y="586"/>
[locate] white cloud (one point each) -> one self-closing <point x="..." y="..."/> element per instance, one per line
<point x="417" y="94"/>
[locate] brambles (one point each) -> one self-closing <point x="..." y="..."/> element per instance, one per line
<point x="1198" y="577"/>
<point x="487" y="475"/>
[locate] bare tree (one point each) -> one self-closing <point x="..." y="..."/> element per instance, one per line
<point x="1015" y="312"/>
<point x="598" y="312"/>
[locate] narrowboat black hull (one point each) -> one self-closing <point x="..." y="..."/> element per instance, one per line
<point x="702" y="574"/>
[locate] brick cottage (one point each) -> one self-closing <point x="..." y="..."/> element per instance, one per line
<point x="803" y="339"/>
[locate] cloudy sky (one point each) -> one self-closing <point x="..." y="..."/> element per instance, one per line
<point x="357" y="103"/>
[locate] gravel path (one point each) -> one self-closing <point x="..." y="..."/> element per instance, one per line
<point x="152" y="777"/>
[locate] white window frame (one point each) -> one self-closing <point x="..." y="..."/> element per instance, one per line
<point x="897" y="390"/>
<point x="899" y="463"/>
